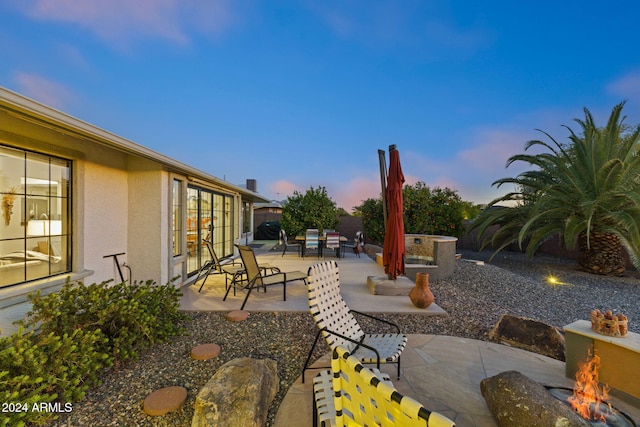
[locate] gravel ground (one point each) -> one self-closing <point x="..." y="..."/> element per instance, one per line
<point x="474" y="298"/>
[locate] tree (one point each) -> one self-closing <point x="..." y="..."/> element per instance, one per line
<point x="342" y="212"/>
<point x="372" y="219"/>
<point x="587" y="191"/>
<point x="432" y="211"/>
<point x="426" y="211"/>
<point x="470" y="210"/>
<point x="314" y="209"/>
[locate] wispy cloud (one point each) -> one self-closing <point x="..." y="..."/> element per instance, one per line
<point x="492" y="153"/>
<point x="346" y="194"/>
<point x="355" y="18"/>
<point x="391" y="23"/>
<point x="353" y="192"/>
<point x="449" y="35"/>
<point x="281" y="189"/>
<point x="44" y="90"/>
<point x="74" y="57"/>
<point x="626" y="86"/>
<point x="122" y="22"/>
<point x="470" y="170"/>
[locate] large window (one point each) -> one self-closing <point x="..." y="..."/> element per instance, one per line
<point x="35" y="232"/>
<point x="209" y="216"/>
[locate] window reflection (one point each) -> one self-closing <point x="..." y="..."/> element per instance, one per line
<point x="209" y="216"/>
<point x="35" y="235"/>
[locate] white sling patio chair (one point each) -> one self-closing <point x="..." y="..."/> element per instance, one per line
<point x="338" y="325"/>
<point x="351" y="394"/>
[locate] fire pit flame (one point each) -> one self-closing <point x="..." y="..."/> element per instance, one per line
<point x="608" y="415"/>
<point x="588" y="395"/>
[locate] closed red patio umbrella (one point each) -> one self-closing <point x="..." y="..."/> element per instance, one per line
<point x="393" y="251"/>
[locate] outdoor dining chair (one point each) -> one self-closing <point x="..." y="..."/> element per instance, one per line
<point x="351" y="394"/>
<point x="332" y="242"/>
<point x="257" y="277"/>
<point x="311" y="241"/>
<point x="286" y="244"/>
<point x="337" y="323"/>
<point x="356" y="245"/>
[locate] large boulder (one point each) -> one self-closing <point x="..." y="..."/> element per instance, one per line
<point x="529" y="334"/>
<point x="239" y="394"/>
<point x="516" y="400"/>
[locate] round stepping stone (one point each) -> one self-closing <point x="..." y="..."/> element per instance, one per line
<point x="205" y="351"/>
<point x="165" y="400"/>
<point x="237" y="315"/>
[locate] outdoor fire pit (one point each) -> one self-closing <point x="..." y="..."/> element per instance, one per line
<point x="516" y="400"/>
<point x="596" y="413"/>
<point x="619" y="355"/>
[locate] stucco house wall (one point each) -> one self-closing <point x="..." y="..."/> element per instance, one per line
<point x="103" y="227"/>
<point x="121" y="201"/>
<point x="148" y="215"/>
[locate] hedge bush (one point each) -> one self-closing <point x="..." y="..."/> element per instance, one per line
<point x="426" y="211"/>
<point x="38" y="368"/>
<point x="131" y="316"/>
<point x="78" y="331"/>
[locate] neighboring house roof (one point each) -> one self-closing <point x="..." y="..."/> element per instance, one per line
<point x="33" y="111"/>
<point x="272" y="204"/>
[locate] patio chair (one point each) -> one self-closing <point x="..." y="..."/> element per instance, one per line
<point x="311" y="241"/>
<point x="257" y="276"/>
<point x="358" y="243"/>
<point x="336" y="322"/>
<point x="351" y="394"/>
<point x="283" y="238"/>
<point x="332" y="242"/>
<point x="231" y="268"/>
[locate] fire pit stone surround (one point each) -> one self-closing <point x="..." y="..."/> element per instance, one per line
<point x="427" y="253"/>
<point x="431" y="254"/>
<point x="515" y="400"/>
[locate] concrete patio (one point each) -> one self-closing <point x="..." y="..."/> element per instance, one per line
<point x="441" y="372"/>
<point x="353" y="284"/>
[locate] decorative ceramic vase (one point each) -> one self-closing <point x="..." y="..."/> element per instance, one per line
<point x="421" y="296"/>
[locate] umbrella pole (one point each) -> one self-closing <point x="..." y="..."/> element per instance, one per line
<point x="383" y="182"/>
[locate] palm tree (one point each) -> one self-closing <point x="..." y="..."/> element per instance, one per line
<point x="586" y="191"/>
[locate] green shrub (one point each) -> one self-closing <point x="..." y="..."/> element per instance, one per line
<point x="38" y="368"/>
<point x="372" y="219"/>
<point x="432" y="210"/>
<point x="426" y="211"/>
<point x="76" y="332"/>
<point x="131" y="316"/>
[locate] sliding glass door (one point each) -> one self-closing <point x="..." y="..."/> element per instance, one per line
<point x="209" y="216"/>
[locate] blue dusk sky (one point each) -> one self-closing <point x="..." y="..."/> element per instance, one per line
<point x="303" y="93"/>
